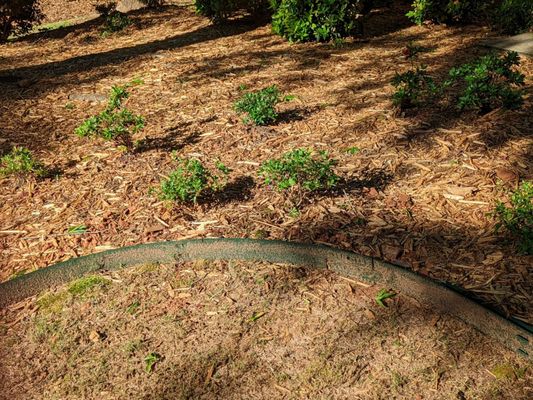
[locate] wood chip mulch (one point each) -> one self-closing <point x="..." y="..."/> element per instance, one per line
<point x="418" y="193"/>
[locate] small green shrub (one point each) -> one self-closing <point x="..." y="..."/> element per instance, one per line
<point x="113" y="123"/>
<point x="445" y="10"/>
<point x="115" y="22"/>
<point x="220" y="10"/>
<point x="318" y="20"/>
<point x="190" y="180"/>
<point x="302" y="168"/>
<point x="412" y="87"/>
<point x="20" y="161"/>
<point x="259" y="106"/>
<point x="489" y="82"/>
<point x="517" y="219"/>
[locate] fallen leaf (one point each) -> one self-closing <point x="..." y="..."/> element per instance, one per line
<point x="506" y="175"/>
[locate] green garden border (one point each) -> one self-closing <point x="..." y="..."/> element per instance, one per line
<point x="512" y="334"/>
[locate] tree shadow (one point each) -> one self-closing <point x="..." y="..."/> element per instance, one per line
<point x="51" y="71"/>
<point x="172" y="141"/>
<point x="240" y="189"/>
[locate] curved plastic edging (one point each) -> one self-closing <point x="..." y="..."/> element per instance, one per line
<point x="428" y="292"/>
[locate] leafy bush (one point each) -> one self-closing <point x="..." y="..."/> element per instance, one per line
<point x="513" y="16"/>
<point x="320" y="20"/>
<point x="115" y="22"/>
<point x="18" y="16"/>
<point x="190" y="179"/>
<point x="220" y="10"/>
<point x="509" y="16"/>
<point x="412" y="87"/>
<point x="260" y="106"/>
<point x="489" y="82"/>
<point x="443" y="10"/>
<point x="20" y="162"/>
<point x="113" y="123"/>
<point x="518" y="218"/>
<point x="302" y="168"/>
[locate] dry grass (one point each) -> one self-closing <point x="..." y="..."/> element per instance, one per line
<point x="420" y="188"/>
<point x="241" y="330"/>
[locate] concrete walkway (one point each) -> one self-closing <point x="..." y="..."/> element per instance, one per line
<point x="522" y="43"/>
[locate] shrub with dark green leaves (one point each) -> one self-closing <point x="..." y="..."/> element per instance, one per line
<point x="489" y="82"/>
<point x="444" y="10"/>
<point x="509" y="16"/>
<point x="18" y="17"/>
<point x="20" y="161"/>
<point x="300" y="168"/>
<point x="318" y="20"/>
<point x="115" y="122"/>
<point x="190" y="180"/>
<point x="115" y="22"/>
<point x="412" y="87"/>
<point x="517" y="219"/>
<point x="220" y="10"/>
<point x="259" y="106"/>
<point x="512" y="16"/>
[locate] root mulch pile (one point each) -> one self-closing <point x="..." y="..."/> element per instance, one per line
<point x="419" y="190"/>
<point x="230" y="330"/>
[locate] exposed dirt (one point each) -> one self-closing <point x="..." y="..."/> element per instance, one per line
<point x="420" y="189"/>
<point x="244" y="330"/>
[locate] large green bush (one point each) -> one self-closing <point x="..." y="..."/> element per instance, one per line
<point x="18" y="16"/>
<point x="318" y="20"/>
<point x="513" y="16"/>
<point x="220" y="10"/>
<point x="509" y="16"/>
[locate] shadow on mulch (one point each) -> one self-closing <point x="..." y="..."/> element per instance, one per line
<point x="172" y="141"/>
<point x="240" y="189"/>
<point x="295" y="114"/>
<point x="89" y="62"/>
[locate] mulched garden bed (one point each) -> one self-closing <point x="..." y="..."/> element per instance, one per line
<point x="419" y="190"/>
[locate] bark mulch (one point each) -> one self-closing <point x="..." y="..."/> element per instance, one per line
<point x="418" y="193"/>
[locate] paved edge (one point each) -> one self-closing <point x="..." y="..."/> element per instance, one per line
<point x="512" y="334"/>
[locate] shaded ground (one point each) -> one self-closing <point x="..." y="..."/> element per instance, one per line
<point x="244" y="330"/>
<point x="420" y="190"/>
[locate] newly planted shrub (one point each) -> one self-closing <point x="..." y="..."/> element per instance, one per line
<point x="115" y="22"/>
<point x="489" y="82"/>
<point x="18" y="16"/>
<point x="517" y="219"/>
<point x="302" y="168"/>
<point x="220" y="10"/>
<point x="412" y="87"/>
<point x="20" y="162"/>
<point x="115" y="122"/>
<point x="318" y="20"/>
<point x="190" y="180"/>
<point x="259" y="106"/>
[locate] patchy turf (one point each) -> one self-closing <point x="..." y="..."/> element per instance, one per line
<point x="234" y="330"/>
<point x="418" y="192"/>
